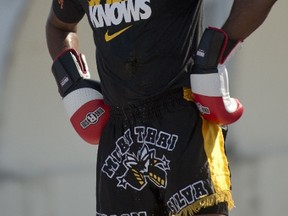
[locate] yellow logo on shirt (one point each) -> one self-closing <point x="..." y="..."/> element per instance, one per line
<point x="118" y="12"/>
<point x="97" y="2"/>
<point x="109" y="37"/>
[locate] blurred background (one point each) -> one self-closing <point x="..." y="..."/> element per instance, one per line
<point x="47" y="170"/>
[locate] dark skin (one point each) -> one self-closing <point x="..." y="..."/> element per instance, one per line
<point x="245" y="17"/>
<point x="60" y="35"/>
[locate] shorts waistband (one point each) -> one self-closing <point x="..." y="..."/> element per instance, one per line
<point x="150" y="107"/>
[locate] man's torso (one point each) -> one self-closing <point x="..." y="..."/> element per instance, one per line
<point x="143" y="47"/>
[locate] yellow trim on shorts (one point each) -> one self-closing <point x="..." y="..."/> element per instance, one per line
<point x="187" y="94"/>
<point x="216" y="156"/>
<point x="219" y="170"/>
<point x="218" y="163"/>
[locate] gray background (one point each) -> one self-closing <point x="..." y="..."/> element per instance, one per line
<point x="47" y="170"/>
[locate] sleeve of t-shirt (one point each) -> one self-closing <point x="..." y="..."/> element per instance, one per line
<point x="71" y="11"/>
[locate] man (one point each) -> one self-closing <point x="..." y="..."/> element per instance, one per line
<point x="157" y="154"/>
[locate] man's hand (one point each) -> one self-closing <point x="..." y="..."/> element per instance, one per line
<point x="81" y="96"/>
<point x="209" y="78"/>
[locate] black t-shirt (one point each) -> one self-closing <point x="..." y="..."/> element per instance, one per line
<point x="143" y="47"/>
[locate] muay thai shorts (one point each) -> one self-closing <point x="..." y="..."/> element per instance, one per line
<point x="160" y="157"/>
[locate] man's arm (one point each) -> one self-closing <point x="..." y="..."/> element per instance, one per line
<point x="81" y="95"/>
<point x="246" y="16"/>
<point x="209" y="79"/>
<point x="60" y="35"/>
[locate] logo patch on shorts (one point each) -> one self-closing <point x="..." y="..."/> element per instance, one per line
<point x="139" y="161"/>
<point x="143" y="167"/>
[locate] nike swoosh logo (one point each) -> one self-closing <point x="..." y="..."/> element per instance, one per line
<point x="114" y="35"/>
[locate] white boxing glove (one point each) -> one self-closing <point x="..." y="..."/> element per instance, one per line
<point x="82" y="96"/>
<point x="209" y="78"/>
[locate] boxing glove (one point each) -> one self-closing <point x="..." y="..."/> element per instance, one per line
<point x="209" y="78"/>
<point x="81" y="95"/>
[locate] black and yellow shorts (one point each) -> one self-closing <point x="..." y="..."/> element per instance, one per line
<point x="160" y="157"/>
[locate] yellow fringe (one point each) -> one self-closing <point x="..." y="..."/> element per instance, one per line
<point x="214" y="199"/>
<point x="187" y="94"/>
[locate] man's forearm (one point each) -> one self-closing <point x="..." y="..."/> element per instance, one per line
<point x="246" y="16"/>
<point x="60" y="37"/>
<point x="60" y="41"/>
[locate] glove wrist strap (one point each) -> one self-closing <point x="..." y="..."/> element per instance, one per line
<point x="68" y="68"/>
<point x="214" y="48"/>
